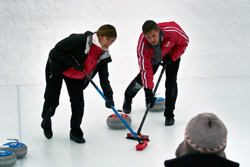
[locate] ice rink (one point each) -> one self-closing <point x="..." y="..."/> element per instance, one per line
<point x="214" y="76"/>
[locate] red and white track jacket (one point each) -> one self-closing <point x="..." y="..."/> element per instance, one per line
<point x="174" y="40"/>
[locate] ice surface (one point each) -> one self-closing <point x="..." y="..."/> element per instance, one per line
<point x="214" y="76"/>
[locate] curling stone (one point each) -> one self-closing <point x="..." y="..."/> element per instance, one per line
<point x="7" y="158"/>
<point x="18" y="148"/>
<point x="114" y="122"/>
<point x="159" y="104"/>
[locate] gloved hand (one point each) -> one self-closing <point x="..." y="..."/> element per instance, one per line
<point x="149" y="97"/>
<point x="167" y="60"/>
<point x="78" y="67"/>
<point x="109" y="102"/>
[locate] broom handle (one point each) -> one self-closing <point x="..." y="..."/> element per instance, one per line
<point x="146" y="112"/>
<point x="112" y="107"/>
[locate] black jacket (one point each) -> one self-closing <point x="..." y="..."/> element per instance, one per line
<point x="200" y="160"/>
<point x="60" y="59"/>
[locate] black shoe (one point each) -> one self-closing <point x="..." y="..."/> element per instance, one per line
<point x="169" y="121"/>
<point x="127" y="105"/>
<point x="77" y="140"/>
<point x="46" y="126"/>
<point x="48" y="134"/>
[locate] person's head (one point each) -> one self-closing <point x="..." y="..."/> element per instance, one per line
<point x="205" y="133"/>
<point x="106" y="35"/>
<point x="151" y="32"/>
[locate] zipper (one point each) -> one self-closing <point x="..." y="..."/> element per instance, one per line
<point x="74" y="59"/>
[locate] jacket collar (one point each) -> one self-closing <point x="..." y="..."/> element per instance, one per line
<point x="95" y="40"/>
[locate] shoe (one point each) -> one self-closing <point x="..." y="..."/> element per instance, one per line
<point x="46" y="124"/>
<point x="48" y="134"/>
<point x="127" y="105"/>
<point x="169" y="121"/>
<point x="77" y="140"/>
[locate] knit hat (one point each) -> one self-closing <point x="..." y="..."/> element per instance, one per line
<point x="205" y="133"/>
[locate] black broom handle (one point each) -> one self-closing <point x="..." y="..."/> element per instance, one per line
<point x="146" y="112"/>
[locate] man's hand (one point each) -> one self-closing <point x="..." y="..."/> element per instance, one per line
<point x="150" y="99"/>
<point x="167" y="60"/>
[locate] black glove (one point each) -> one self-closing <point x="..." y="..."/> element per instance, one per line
<point x="149" y="97"/>
<point x="78" y="67"/>
<point x="109" y="102"/>
<point x="167" y="60"/>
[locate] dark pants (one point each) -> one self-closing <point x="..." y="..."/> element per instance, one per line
<point x="170" y="85"/>
<point x="52" y="94"/>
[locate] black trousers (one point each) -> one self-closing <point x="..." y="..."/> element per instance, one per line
<point x="52" y="94"/>
<point x="170" y="85"/>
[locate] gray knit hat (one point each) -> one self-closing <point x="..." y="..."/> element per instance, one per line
<point x="204" y="133"/>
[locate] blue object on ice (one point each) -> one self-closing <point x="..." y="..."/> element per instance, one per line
<point x="159" y="99"/>
<point x="14" y="145"/>
<point x="4" y="153"/>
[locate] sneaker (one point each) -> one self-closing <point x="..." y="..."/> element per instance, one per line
<point x="48" y="134"/>
<point x="77" y="140"/>
<point x="169" y="121"/>
<point x="127" y="105"/>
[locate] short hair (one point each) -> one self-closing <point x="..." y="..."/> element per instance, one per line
<point x="107" y="30"/>
<point x="148" y="26"/>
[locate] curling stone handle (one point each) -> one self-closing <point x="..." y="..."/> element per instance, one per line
<point x="17" y="141"/>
